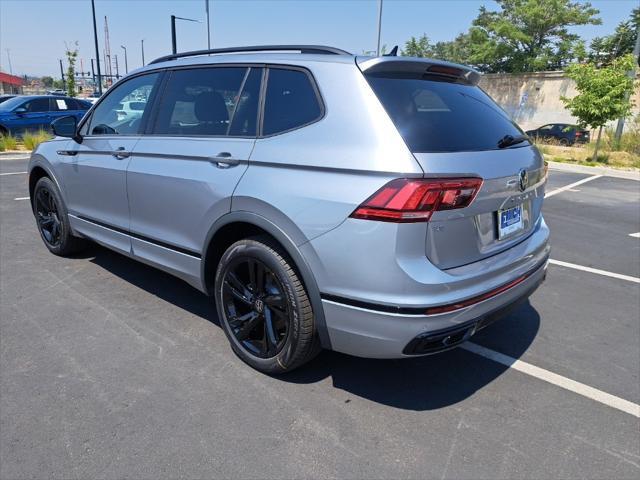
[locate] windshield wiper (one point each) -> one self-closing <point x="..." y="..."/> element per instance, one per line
<point x="509" y="140"/>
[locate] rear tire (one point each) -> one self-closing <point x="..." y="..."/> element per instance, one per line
<point x="52" y="220"/>
<point x="264" y="308"/>
<point x="564" y="142"/>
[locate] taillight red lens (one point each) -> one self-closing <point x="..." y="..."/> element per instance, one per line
<point x="415" y="200"/>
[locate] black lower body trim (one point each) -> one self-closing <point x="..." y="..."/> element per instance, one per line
<point x="159" y="243"/>
<point x="377" y="307"/>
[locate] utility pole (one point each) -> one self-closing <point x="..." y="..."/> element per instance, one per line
<point x="9" y="59"/>
<point x="126" y="65"/>
<point x="174" y="46"/>
<point x="117" y="72"/>
<point x="142" y="43"/>
<point x="206" y="6"/>
<point x="95" y="39"/>
<point x="631" y="74"/>
<point x="93" y="74"/>
<point x="64" y="85"/>
<point x="379" y="26"/>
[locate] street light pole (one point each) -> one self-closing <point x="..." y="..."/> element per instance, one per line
<point x="126" y="65"/>
<point x="95" y="39"/>
<point x="117" y="72"/>
<point x="206" y="6"/>
<point x="379" y="26"/>
<point x="174" y="45"/>
<point x="64" y="84"/>
<point x="142" y="43"/>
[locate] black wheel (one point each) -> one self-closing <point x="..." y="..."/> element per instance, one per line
<point x="264" y="308"/>
<point x="52" y="220"/>
<point x="564" y="142"/>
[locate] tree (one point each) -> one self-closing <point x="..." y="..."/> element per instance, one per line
<point x="605" y="49"/>
<point x="602" y="93"/>
<point x="72" y="56"/>
<point x="47" y="82"/>
<point x="453" y="51"/>
<point x="528" y="35"/>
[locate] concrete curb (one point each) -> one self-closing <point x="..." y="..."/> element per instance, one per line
<point x="15" y="155"/>
<point x="609" y="172"/>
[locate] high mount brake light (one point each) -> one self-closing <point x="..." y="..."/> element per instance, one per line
<point x="406" y="200"/>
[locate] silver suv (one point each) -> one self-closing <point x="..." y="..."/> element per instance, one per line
<point x="382" y="207"/>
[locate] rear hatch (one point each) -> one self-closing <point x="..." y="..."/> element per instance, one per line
<point x="455" y="130"/>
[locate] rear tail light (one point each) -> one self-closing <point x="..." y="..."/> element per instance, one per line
<point x="415" y="200"/>
<point x="578" y="134"/>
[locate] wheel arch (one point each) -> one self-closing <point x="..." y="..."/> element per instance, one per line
<point x="241" y="224"/>
<point x="38" y="168"/>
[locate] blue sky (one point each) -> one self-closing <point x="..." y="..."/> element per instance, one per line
<point x="35" y="31"/>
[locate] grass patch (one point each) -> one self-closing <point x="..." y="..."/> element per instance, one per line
<point x="8" y="142"/>
<point x="32" y="140"/>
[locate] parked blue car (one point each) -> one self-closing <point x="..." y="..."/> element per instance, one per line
<point x="22" y="114"/>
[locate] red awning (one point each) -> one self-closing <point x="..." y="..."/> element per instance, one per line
<point x="10" y="79"/>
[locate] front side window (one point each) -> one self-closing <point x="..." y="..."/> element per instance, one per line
<point x="109" y="118"/>
<point x="36" y="105"/>
<point x="291" y="101"/>
<point x="202" y="102"/>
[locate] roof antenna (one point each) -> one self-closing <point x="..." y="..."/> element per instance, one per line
<point x="392" y="53"/>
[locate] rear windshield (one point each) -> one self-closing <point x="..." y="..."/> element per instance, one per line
<point x="433" y="115"/>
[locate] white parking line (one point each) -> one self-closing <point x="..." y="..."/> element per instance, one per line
<point x="11" y="173"/>
<point x="635" y="235"/>
<point x="619" y="276"/>
<point x="570" y="186"/>
<point x="22" y="198"/>
<point x="555" y="379"/>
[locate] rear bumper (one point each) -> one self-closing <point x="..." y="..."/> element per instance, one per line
<point x="379" y="333"/>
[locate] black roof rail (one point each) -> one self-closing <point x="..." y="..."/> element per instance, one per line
<point x="256" y="48"/>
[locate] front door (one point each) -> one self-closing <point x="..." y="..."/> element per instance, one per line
<point x="94" y="170"/>
<point x="182" y="175"/>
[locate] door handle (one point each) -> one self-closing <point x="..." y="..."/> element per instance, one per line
<point x="120" y="153"/>
<point x="224" y="160"/>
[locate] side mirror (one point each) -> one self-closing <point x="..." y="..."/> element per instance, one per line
<point x="65" y="126"/>
<point x="20" y="111"/>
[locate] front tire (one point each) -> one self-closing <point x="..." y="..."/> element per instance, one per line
<point x="52" y="220"/>
<point x="263" y="307"/>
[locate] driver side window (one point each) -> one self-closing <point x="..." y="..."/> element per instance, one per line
<point x="112" y="117"/>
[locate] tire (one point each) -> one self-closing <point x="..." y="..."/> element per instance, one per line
<point x="269" y="322"/>
<point x="564" y="142"/>
<point x="52" y="220"/>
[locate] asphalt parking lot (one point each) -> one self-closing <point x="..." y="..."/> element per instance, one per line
<point x="110" y="369"/>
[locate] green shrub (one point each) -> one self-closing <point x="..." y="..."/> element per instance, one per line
<point x="8" y="142"/>
<point x="32" y="140"/>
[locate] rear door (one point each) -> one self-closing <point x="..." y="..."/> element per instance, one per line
<point x="184" y="171"/>
<point x="37" y="115"/>
<point x="453" y="129"/>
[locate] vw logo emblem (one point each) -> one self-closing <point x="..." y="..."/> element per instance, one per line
<point x="523" y="179"/>
<point x="258" y="305"/>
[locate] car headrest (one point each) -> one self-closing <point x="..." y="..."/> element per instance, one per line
<point x="210" y="107"/>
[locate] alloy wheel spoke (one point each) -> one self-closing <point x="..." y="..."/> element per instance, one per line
<point x="248" y="327"/>
<point x="237" y="322"/>
<point x="271" y="335"/>
<point x="235" y="283"/>
<point x="275" y="300"/>
<point x="237" y="294"/>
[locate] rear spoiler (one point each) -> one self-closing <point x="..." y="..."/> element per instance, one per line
<point x="418" y="65"/>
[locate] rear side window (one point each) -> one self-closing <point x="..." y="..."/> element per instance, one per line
<point x="291" y="101"/>
<point x="200" y="101"/>
<point x="441" y="116"/>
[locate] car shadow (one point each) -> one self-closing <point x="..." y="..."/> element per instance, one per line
<point x="421" y="383"/>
